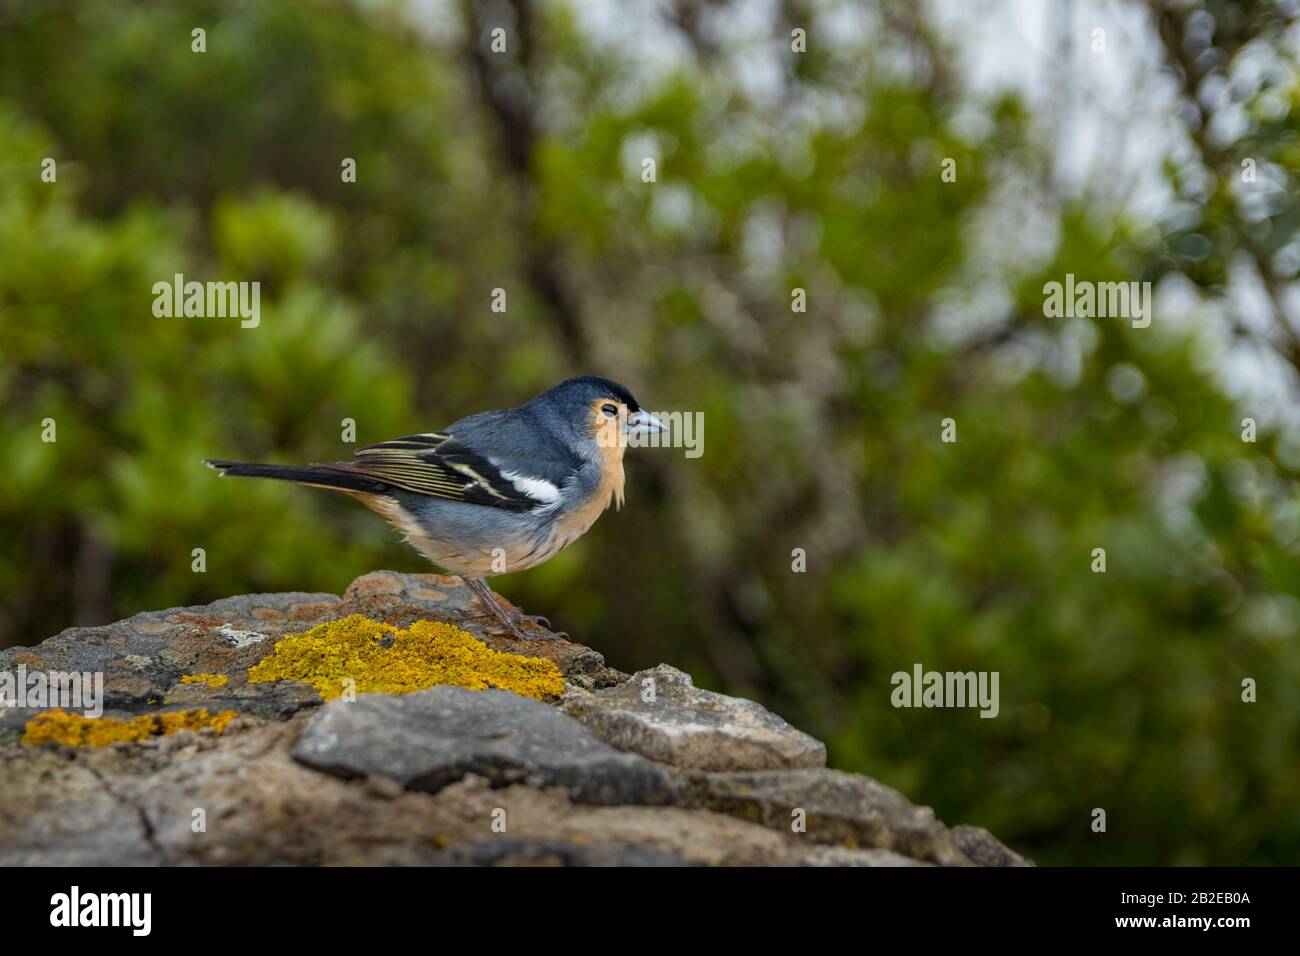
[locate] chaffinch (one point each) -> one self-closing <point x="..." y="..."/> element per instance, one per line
<point x="495" y="492"/>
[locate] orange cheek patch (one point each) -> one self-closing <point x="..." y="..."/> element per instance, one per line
<point x="609" y="436"/>
<point x="607" y="431"/>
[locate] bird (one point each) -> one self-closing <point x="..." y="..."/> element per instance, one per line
<point x="497" y="491"/>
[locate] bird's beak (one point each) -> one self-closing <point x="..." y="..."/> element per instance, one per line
<point x="643" y="423"/>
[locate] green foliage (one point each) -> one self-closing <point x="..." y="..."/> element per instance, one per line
<point x="1119" y="690"/>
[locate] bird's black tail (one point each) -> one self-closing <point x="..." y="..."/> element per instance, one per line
<point x="321" y="476"/>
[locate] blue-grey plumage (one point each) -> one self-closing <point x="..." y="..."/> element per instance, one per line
<point x="497" y="491"/>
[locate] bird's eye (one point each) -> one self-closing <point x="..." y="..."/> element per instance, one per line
<point x="609" y="410"/>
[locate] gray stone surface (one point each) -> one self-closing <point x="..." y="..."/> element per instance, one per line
<point x="511" y="851"/>
<point x="143" y="658"/>
<point x="838" y="808"/>
<point x="432" y="738"/>
<point x="683" y="726"/>
<point x="984" y="848"/>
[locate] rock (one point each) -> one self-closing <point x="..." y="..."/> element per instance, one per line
<point x="509" y="851"/>
<point x="443" y="776"/>
<point x="984" y="849"/>
<point x="63" y="812"/>
<point x="432" y="738"/>
<point x="261" y="807"/>
<point x="843" y="856"/>
<point x="686" y="727"/>
<point x="144" y="657"/>
<point x="835" y="807"/>
<point x="694" y="836"/>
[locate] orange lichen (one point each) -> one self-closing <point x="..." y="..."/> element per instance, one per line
<point x="379" y="658"/>
<point x="212" y="680"/>
<point x="62" y="727"/>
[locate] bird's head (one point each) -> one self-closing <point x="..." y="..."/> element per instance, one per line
<point x="601" y="410"/>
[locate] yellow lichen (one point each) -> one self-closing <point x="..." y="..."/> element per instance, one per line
<point x="380" y="658"/>
<point x="212" y="680"/>
<point x="62" y="727"/>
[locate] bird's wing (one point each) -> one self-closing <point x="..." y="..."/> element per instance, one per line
<point x="443" y="465"/>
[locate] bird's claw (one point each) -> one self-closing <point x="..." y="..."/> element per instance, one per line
<point x="518" y="618"/>
<point x="513" y="624"/>
<point x="546" y="634"/>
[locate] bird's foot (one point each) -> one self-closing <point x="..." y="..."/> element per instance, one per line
<point x="512" y="619"/>
<point x="519" y="617"/>
<point x="514" y="624"/>
<point x="536" y="620"/>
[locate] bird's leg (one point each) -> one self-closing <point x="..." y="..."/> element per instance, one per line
<point x="512" y="618"/>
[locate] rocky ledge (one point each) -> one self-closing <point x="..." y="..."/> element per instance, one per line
<point x="256" y="730"/>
